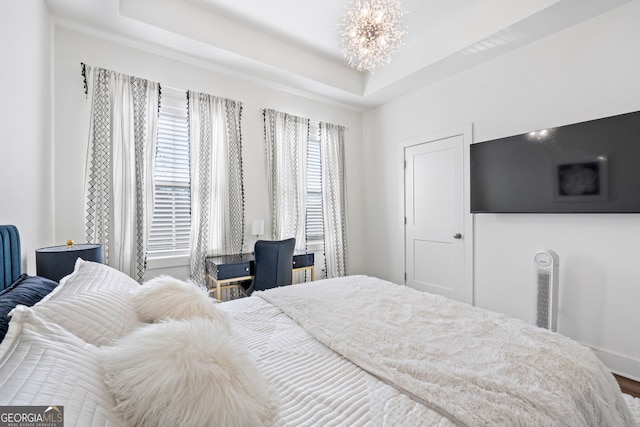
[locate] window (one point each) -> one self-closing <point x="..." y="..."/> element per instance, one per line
<point x="314" y="221"/>
<point x="171" y="225"/>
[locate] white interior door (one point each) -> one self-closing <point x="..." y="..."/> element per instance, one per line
<point x="435" y="217"/>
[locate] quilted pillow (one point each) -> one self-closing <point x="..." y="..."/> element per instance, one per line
<point x="166" y="297"/>
<point x="186" y="372"/>
<point x="42" y="364"/>
<point x="27" y="290"/>
<point x="89" y="277"/>
<point x="98" y="317"/>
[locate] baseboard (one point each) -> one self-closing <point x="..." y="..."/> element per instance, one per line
<point x="625" y="369"/>
<point x="621" y="365"/>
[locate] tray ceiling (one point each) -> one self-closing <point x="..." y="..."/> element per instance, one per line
<point x="294" y="44"/>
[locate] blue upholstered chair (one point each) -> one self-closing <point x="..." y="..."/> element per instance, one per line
<point x="273" y="264"/>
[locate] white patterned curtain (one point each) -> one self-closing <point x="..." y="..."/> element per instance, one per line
<point x="286" y="153"/>
<point x="119" y="172"/>
<point x="217" y="193"/>
<point x="334" y="199"/>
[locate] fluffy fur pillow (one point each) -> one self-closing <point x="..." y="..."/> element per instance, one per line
<point x="186" y="373"/>
<point x="167" y="297"/>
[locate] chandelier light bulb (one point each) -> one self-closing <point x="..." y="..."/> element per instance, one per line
<point x="372" y="31"/>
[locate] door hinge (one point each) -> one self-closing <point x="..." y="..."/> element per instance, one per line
<point x="405" y="220"/>
<point x="405" y="277"/>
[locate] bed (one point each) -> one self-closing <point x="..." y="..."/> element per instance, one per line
<point x="352" y="351"/>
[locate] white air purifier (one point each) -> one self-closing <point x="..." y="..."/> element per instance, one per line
<point x="545" y="265"/>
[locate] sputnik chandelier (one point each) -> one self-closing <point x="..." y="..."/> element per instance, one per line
<point x="371" y="32"/>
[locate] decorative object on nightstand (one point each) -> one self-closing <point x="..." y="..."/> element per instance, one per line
<point x="55" y="262"/>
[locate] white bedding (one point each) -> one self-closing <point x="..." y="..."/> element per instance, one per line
<point x="316" y="386"/>
<point x="51" y="352"/>
<point x="475" y="366"/>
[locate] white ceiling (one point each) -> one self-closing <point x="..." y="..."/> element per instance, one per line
<point x="294" y="44"/>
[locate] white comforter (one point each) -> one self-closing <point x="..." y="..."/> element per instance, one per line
<point x="472" y="366"/>
<point x="315" y="385"/>
<point x="462" y="359"/>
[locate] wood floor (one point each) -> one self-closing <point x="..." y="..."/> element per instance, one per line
<point x="628" y="386"/>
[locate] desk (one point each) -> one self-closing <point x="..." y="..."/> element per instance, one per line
<point x="225" y="270"/>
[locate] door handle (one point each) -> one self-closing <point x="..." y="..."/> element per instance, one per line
<point x="457" y="236"/>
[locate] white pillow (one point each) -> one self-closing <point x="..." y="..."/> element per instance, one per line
<point x="90" y="277"/>
<point x="167" y="297"/>
<point x="185" y="372"/>
<point x="98" y="317"/>
<point x="41" y="364"/>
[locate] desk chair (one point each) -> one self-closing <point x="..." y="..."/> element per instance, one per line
<point x="272" y="265"/>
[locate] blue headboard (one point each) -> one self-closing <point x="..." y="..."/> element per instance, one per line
<point x="9" y="255"/>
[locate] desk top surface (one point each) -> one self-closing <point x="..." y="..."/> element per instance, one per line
<point x="230" y="259"/>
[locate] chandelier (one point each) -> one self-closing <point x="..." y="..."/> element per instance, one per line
<point x="371" y="32"/>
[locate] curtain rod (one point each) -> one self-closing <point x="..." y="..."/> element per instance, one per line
<point x="262" y="110"/>
<point x="86" y="86"/>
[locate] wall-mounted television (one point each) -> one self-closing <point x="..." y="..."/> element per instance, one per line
<point x="588" y="167"/>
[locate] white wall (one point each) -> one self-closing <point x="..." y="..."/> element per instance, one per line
<point x="25" y="124"/>
<point x="72" y="119"/>
<point x="588" y="71"/>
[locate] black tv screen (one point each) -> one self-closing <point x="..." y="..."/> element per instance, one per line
<point x="588" y="167"/>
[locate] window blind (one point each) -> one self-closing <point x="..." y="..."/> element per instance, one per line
<point x="314" y="219"/>
<point x="171" y="223"/>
